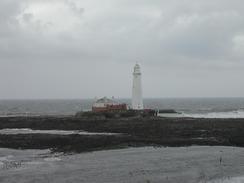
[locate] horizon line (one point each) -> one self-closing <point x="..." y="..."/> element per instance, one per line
<point x="89" y="98"/>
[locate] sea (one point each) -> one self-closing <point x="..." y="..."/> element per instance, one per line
<point x="186" y="107"/>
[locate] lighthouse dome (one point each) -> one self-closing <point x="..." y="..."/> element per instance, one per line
<point x="137" y="69"/>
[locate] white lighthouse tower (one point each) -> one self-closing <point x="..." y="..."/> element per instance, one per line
<point x="137" y="102"/>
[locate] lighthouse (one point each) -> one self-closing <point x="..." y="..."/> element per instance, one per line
<point x="137" y="102"/>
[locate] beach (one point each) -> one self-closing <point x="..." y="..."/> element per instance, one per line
<point x="172" y="164"/>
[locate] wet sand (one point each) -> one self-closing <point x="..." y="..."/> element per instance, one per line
<point x="148" y="164"/>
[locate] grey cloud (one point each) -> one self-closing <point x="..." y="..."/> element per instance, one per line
<point x="196" y="43"/>
<point x="27" y="17"/>
<point x="79" y="11"/>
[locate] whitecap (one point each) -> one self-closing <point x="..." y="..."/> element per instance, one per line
<point x="228" y="180"/>
<point x="10" y="131"/>
<point x="52" y="159"/>
<point x="228" y="114"/>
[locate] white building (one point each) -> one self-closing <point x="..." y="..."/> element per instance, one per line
<point x="137" y="102"/>
<point x="105" y="104"/>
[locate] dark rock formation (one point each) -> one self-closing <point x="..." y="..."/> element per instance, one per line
<point x="116" y="114"/>
<point x="137" y="131"/>
<point x="168" y="111"/>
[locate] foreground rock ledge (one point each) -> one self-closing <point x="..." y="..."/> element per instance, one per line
<point x="136" y="132"/>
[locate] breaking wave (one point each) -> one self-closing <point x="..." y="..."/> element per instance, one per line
<point x="14" y="131"/>
<point x="227" y="114"/>
<point x="228" y="180"/>
<point x="206" y="114"/>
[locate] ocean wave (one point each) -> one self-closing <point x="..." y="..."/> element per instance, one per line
<point x="227" y="114"/>
<point x="15" y="131"/>
<point x="229" y="180"/>
<point x="19" y="114"/>
<point x="206" y="114"/>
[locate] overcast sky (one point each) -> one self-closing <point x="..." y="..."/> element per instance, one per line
<point x="88" y="48"/>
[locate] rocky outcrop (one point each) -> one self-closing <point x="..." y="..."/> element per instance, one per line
<point x="136" y="131"/>
<point x="116" y="114"/>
